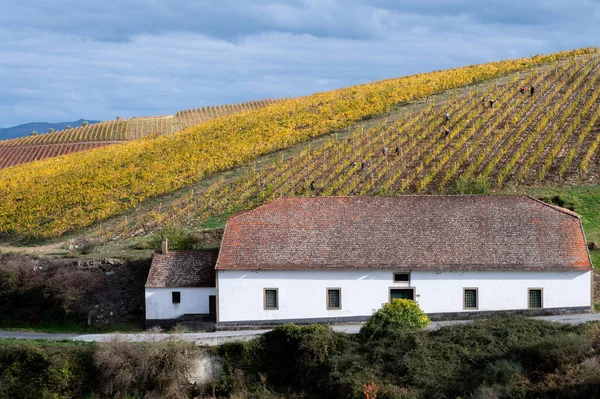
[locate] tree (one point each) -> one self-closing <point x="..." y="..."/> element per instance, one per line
<point x="68" y="127"/>
<point x="85" y="123"/>
<point x="34" y="133"/>
<point x="118" y="118"/>
<point x="50" y="130"/>
<point x="399" y="314"/>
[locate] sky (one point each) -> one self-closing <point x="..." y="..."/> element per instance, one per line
<point x="61" y="60"/>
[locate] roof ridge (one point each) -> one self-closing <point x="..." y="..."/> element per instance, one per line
<point x="556" y="207"/>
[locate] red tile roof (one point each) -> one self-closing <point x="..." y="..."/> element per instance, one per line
<point x="406" y="232"/>
<point x="178" y="269"/>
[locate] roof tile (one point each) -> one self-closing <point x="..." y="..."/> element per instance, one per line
<point x="183" y="269"/>
<point x="406" y="232"/>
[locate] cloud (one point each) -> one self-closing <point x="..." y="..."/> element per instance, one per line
<point x="70" y="59"/>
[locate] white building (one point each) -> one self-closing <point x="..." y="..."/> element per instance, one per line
<point x="181" y="283"/>
<point x="336" y="259"/>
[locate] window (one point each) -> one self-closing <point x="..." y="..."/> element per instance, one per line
<point x="176" y="296"/>
<point x="334" y="298"/>
<point x="470" y="298"/>
<point x="535" y="298"/>
<point x="271" y="299"/>
<point x="402" y="278"/>
<point x="402" y="293"/>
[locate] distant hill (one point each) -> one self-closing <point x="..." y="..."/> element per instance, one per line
<point x="40" y="127"/>
<point x="518" y="140"/>
<point x="28" y="148"/>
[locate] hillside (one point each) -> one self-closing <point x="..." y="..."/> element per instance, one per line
<point x="551" y="136"/>
<point x="80" y="138"/>
<point x="40" y="127"/>
<point x="548" y="139"/>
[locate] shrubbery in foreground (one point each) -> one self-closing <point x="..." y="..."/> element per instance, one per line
<point x="503" y="357"/>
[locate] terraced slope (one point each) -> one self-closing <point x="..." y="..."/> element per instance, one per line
<point x="33" y="148"/>
<point x="51" y="197"/>
<point x="551" y="137"/>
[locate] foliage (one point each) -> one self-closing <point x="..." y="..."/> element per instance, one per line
<point x="502" y="357"/>
<point x="156" y="370"/>
<point x="81" y="138"/>
<point x="178" y="237"/>
<point x="505" y="356"/>
<point x="34" y="370"/>
<point x="41" y="369"/>
<point x="420" y="157"/>
<point x="472" y="185"/>
<point x="51" y="197"/>
<point x="60" y="294"/>
<point x="397" y="314"/>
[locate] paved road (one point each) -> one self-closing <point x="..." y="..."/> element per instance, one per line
<point x="221" y="337"/>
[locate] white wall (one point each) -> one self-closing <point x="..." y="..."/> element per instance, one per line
<point x="302" y="292"/>
<point x="159" y="302"/>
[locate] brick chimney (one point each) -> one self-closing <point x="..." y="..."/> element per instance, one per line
<point x="165" y="246"/>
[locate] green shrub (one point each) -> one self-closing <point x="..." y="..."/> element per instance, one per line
<point x="179" y="238"/>
<point x="472" y="185"/>
<point x="553" y="352"/>
<point x="292" y="352"/>
<point x="502" y="371"/>
<point x="398" y="314"/>
<point x="45" y="370"/>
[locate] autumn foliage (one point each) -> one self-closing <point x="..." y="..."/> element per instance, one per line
<point x="49" y="198"/>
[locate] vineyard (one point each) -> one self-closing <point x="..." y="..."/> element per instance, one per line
<point x="550" y="135"/>
<point x="33" y="148"/>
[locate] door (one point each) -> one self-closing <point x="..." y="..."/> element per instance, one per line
<point x="402" y="293"/>
<point x="212" y="305"/>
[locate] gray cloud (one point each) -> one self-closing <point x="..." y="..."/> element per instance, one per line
<point x="68" y="59"/>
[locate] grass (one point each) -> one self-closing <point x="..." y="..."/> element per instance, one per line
<point x="69" y="326"/>
<point x="47" y="343"/>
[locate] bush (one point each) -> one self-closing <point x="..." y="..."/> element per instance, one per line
<point x="62" y="293"/>
<point x="294" y="352"/>
<point x="44" y="370"/>
<point x="552" y="352"/>
<point x="472" y="185"/>
<point x="179" y="238"/>
<point x="398" y="314"/>
<point x="158" y="369"/>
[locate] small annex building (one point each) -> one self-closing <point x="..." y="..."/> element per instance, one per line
<point x="338" y="259"/>
<point x="179" y="284"/>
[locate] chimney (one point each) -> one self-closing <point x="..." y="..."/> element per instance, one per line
<point x="165" y="246"/>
